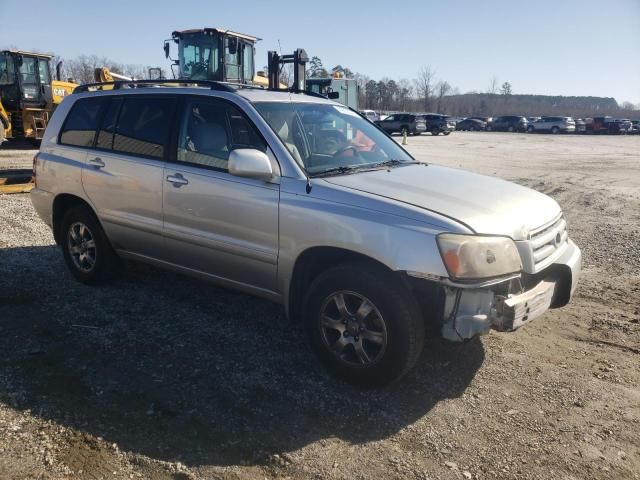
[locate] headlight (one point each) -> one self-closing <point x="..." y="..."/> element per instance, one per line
<point x="475" y="256"/>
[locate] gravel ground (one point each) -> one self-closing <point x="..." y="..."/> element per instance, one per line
<point x="161" y="376"/>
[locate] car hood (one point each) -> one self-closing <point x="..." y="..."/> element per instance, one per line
<point x="485" y="204"/>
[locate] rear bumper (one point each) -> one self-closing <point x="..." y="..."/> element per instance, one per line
<point x="43" y="204"/>
<point x="474" y="311"/>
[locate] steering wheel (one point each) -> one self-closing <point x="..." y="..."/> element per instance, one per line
<point x="345" y="149"/>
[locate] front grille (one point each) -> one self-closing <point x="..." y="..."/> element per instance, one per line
<point x="546" y="241"/>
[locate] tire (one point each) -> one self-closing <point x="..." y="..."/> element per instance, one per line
<point x="489" y="128"/>
<point x="555" y="130"/>
<point x="87" y="252"/>
<point x="446" y="133"/>
<point x="390" y="333"/>
<point x="416" y="133"/>
<point x="435" y="132"/>
<point x="530" y="129"/>
<point x="511" y="129"/>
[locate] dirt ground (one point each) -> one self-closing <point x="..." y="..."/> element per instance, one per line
<point x="161" y="376"/>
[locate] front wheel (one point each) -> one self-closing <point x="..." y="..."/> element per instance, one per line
<point x="511" y="129"/>
<point x="555" y="130"/>
<point x="363" y="325"/>
<point x="446" y="133"/>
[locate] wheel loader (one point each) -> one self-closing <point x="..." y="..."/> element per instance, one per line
<point x="28" y="93"/>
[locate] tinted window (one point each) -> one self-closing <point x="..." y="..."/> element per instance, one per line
<point x="81" y="124"/>
<point x="108" y="127"/>
<point x="143" y="126"/>
<point x="211" y="130"/>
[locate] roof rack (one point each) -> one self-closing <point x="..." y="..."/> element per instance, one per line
<point x="212" y="84"/>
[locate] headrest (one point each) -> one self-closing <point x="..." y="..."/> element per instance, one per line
<point x="209" y="137"/>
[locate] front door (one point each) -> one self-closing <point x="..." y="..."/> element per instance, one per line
<point x="214" y="222"/>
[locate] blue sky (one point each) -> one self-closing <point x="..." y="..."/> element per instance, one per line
<point x="565" y="47"/>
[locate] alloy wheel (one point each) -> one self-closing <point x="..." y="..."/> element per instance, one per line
<point x="82" y="246"/>
<point x="353" y="329"/>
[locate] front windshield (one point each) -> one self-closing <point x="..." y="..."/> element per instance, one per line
<point x="199" y="57"/>
<point x="324" y="137"/>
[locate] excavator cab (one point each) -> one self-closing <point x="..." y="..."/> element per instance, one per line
<point x="214" y="54"/>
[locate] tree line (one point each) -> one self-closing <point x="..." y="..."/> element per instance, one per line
<point x="428" y="93"/>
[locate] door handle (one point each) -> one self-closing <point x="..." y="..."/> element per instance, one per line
<point x="96" y="162"/>
<point x="177" y="180"/>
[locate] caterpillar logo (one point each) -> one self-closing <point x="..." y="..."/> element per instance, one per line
<point x="59" y="92"/>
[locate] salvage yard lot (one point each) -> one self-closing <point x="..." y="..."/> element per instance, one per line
<point x="161" y="376"/>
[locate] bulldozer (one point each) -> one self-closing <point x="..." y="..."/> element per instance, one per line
<point x="28" y="94"/>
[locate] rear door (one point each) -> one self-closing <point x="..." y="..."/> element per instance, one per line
<point x="123" y="173"/>
<point x="214" y="222"/>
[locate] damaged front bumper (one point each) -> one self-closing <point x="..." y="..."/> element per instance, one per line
<point x="471" y="310"/>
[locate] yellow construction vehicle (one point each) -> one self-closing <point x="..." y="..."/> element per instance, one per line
<point x="221" y="55"/>
<point x="28" y="94"/>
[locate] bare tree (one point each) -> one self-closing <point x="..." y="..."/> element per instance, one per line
<point x="442" y="89"/>
<point x="405" y="92"/>
<point x="425" y="85"/>
<point x="493" y="86"/>
<point x="506" y="89"/>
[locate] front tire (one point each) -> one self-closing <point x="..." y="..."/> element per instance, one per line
<point x="555" y="130"/>
<point x="85" y="247"/>
<point x="511" y="129"/>
<point x="363" y="325"/>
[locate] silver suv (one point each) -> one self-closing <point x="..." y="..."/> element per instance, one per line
<point x="302" y="201"/>
<point x="553" y="125"/>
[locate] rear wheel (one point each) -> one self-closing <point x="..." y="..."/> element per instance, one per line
<point x="555" y="130"/>
<point x="511" y="129"/>
<point x="364" y="326"/>
<point x="435" y="132"/>
<point x="86" y="249"/>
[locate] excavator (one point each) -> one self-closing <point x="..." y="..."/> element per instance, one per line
<point x="28" y="94"/>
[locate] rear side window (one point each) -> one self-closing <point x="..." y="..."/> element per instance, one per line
<point x="80" y="126"/>
<point x="143" y="126"/>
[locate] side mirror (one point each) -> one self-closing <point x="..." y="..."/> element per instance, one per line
<point x="333" y="95"/>
<point x="166" y="49"/>
<point x="250" y="163"/>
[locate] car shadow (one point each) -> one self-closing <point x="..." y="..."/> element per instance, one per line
<point x="181" y="370"/>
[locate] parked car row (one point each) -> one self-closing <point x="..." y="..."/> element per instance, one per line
<point x="515" y="123"/>
<point x="416" y="123"/>
<point x="436" y="124"/>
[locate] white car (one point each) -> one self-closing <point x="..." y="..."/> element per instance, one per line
<point x="553" y="125"/>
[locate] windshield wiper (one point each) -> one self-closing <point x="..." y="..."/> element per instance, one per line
<point x="364" y="168"/>
<point x="393" y="162"/>
<point x="330" y="171"/>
